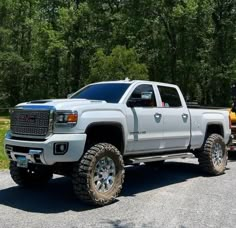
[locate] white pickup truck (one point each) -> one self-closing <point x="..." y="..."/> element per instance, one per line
<point x="98" y="130"/>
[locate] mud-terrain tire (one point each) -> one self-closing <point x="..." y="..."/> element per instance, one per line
<point x="98" y="177"/>
<point x="33" y="175"/>
<point x="213" y="158"/>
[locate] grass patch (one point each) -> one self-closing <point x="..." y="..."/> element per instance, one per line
<point x="4" y="114"/>
<point x="4" y="126"/>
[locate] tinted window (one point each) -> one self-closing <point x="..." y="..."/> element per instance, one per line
<point x="110" y="92"/>
<point x="144" y="95"/>
<point x="169" y="97"/>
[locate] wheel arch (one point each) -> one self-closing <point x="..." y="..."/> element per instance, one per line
<point x="213" y="128"/>
<point x="109" y="132"/>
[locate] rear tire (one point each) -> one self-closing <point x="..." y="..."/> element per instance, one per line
<point x="98" y="177"/>
<point x="213" y="158"/>
<point x="33" y="175"/>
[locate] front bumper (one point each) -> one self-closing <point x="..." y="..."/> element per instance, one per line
<point x="43" y="151"/>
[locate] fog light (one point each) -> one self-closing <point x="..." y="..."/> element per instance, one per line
<point x="60" y="148"/>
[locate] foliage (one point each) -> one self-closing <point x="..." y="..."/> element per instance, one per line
<point x="121" y="63"/>
<point x="52" y="48"/>
<point x="4" y="125"/>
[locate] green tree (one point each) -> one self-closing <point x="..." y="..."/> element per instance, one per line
<point x="120" y="64"/>
<point x="51" y="48"/>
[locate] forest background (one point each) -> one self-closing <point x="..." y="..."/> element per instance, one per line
<point x="50" y="48"/>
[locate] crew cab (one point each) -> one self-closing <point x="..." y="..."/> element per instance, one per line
<point x="104" y="126"/>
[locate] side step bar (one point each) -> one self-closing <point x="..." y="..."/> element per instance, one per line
<point x="137" y="160"/>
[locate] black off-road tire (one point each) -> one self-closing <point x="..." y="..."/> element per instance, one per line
<point x="208" y="157"/>
<point x="84" y="173"/>
<point x="31" y="176"/>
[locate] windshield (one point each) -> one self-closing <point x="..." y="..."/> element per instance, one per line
<point x="110" y="92"/>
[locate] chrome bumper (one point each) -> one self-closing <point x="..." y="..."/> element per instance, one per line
<point x="43" y="151"/>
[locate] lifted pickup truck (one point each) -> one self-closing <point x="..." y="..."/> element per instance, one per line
<point x="98" y="130"/>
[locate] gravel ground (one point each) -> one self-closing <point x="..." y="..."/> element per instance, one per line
<point x="177" y="195"/>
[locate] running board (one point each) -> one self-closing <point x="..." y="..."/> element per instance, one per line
<point x="137" y="160"/>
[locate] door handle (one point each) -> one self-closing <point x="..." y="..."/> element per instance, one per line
<point x="157" y="117"/>
<point x="185" y="117"/>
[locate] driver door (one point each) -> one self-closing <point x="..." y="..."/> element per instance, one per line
<point x="145" y="124"/>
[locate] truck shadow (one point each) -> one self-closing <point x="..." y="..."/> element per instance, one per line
<point x="58" y="195"/>
<point x="232" y="156"/>
<point x="142" y="178"/>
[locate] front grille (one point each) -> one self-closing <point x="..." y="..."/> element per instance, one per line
<point x="30" y="122"/>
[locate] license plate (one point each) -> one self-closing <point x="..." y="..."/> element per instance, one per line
<point x="22" y="162"/>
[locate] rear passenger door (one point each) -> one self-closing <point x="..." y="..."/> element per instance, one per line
<point x="176" y="119"/>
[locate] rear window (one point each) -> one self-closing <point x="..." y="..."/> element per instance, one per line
<point x="169" y="97"/>
<point x="110" y="92"/>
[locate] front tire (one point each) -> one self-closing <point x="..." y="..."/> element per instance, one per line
<point x="213" y="158"/>
<point x="98" y="177"/>
<point x="33" y="175"/>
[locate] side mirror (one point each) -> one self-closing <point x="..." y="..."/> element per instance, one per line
<point x="147" y="96"/>
<point x="141" y="100"/>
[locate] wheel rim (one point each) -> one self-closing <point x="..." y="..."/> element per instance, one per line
<point x="217" y="154"/>
<point x="104" y="175"/>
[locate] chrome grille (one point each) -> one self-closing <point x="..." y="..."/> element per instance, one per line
<point x="30" y="122"/>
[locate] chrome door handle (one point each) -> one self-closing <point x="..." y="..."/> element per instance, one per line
<point x="185" y="116"/>
<point x="157" y="117"/>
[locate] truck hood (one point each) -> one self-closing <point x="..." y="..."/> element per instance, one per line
<point x="58" y="104"/>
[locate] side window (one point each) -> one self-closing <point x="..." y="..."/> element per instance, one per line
<point x="143" y="96"/>
<point x="169" y="97"/>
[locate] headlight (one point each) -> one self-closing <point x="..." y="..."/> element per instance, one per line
<point x="66" y="118"/>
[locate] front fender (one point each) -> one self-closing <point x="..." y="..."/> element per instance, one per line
<point x="88" y="118"/>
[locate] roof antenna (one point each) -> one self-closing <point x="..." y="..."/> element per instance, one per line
<point x="127" y="79"/>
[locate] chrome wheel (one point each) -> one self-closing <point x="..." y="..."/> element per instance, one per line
<point x="98" y="177"/>
<point x="104" y="175"/>
<point x="217" y="154"/>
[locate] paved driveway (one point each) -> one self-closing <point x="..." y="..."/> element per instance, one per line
<point x="178" y="195"/>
